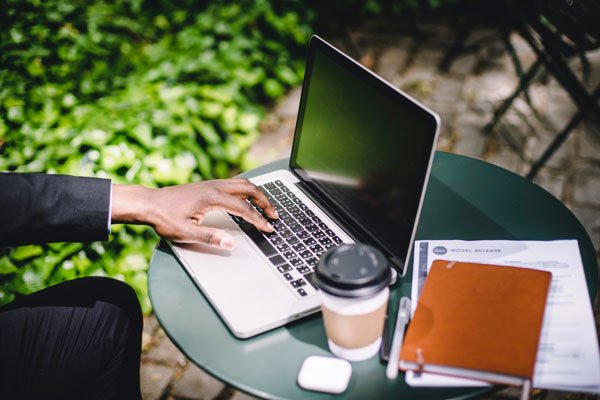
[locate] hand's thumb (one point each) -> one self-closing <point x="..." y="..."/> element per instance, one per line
<point x="214" y="237"/>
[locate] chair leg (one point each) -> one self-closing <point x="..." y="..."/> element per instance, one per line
<point x="457" y="46"/>
<point x="561" y="137"/>
<point x="523" y="83"/>
<point x="516" y="62"/>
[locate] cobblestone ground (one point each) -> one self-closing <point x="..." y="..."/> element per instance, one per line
<point x="464" y="96"/>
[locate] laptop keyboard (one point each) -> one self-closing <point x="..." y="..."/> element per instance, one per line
<point x="298" y="240"/>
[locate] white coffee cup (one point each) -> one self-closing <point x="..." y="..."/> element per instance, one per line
<point x="352" y="282"/>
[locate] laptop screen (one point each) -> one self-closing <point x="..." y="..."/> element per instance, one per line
<point x="364" y="148"/>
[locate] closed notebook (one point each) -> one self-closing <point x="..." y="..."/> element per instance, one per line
<point x="477" y="321"/>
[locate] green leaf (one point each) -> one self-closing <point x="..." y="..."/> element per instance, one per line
<point x="210" y="109"/>
<point x="6" y="266"/>
<point x="143" y="133"/>
<point x="273" y="88"/>
<point x="23" y="252"/>
<point x="248" y="122"/>
<point x="286" y="74"/>
<point x="206" y="130"/>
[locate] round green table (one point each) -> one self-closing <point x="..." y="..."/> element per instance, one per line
<point x="466" y="199"/>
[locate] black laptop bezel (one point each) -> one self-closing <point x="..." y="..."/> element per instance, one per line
<point x="307" y="185"/>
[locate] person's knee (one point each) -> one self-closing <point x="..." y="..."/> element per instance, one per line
<point x="121" y="295"/>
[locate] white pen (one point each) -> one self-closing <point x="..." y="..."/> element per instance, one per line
<point x="391" y="370"/>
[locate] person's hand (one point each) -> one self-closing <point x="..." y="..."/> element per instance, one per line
<point x="176" y="212"/>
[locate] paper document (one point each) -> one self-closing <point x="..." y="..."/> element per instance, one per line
<point x="568" y="357"/>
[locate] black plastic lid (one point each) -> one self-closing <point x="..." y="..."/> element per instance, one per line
<point x="352" y="270"/>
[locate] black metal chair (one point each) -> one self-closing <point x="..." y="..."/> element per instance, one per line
<point x="556" y="30"/>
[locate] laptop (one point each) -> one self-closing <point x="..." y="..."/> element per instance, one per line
<point x="358" y="171"/>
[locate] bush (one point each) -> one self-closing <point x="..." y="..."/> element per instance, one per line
<point x="152" y="93"/>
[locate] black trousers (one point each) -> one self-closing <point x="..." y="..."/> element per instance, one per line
<point x="80" y="339"/>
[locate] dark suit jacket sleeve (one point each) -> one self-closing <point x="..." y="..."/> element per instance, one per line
<point x="41" y="208"/>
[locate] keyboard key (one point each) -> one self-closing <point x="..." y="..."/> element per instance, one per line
<point x="309" y="213"/>
<point x="305" y="254"/>
<point x="278" y="182"/>
<point x="285" y="189"/>
<point x="310" y="242"/>
<point x="303" y="270"/>
<point x="337" y="240"/>
<point x="318" y="234"/>
<point x="284" y="215"/>
<point x="297" y="201"/>
<point x="317" y="220"/>
<point x="303" y="207"/>
<point x="288" y="276"/>
<point x="305" y="221"/>
<point x="325" y="241"/>
<point x="281" y="197"/>
<point x="299" y="247"/>
<point x="276" y="240"/>
<point x="316" y="248"/>
<point x="312" y="261"/>
<point x="302" y="292"/>
<point x="275" y="191"/>
<point x="283" y="247"/>
<point x="311" y="227"/>
<point x="279" y="226"/>
<point x="298" y="283"/>
<point x="261" y="242"/>
<point x="296" y="228"/>
<point x="287" y="203"/>
<point x="292" y="240"/>
<point x="295" y="261"/>
<point x="303" y="235"/>
<point x="270" y="235"/>
<point x="298" y="214"/>
<point x="289" y="254"/>
<point x="322" y="225"/>
<point x="286" y="233"/>
<point x="277" y="260"/>
<point x="284" y="268"/>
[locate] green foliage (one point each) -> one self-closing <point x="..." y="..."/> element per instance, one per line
<point x="154" y="93"/>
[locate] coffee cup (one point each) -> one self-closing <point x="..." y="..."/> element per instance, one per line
<point x="352" y="282"/>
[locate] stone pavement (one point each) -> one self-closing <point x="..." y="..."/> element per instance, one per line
<point x="464" y="97"/>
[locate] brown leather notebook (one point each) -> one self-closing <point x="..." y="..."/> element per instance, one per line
<point x="477" y="321"/>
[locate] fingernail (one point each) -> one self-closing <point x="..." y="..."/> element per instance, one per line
<point x="227" y="243"/>
<point x="276" y="214"/>
<point x="270" y="226"/>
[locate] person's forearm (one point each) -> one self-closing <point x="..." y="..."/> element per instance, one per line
<point x="39" y="208"/>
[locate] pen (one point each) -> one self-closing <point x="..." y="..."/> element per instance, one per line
<point x="398" y="336"/>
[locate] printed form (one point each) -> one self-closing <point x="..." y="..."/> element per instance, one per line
<point x="568" y="357"/>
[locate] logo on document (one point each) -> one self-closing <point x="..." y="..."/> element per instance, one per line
<point x="440" y="250"/>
